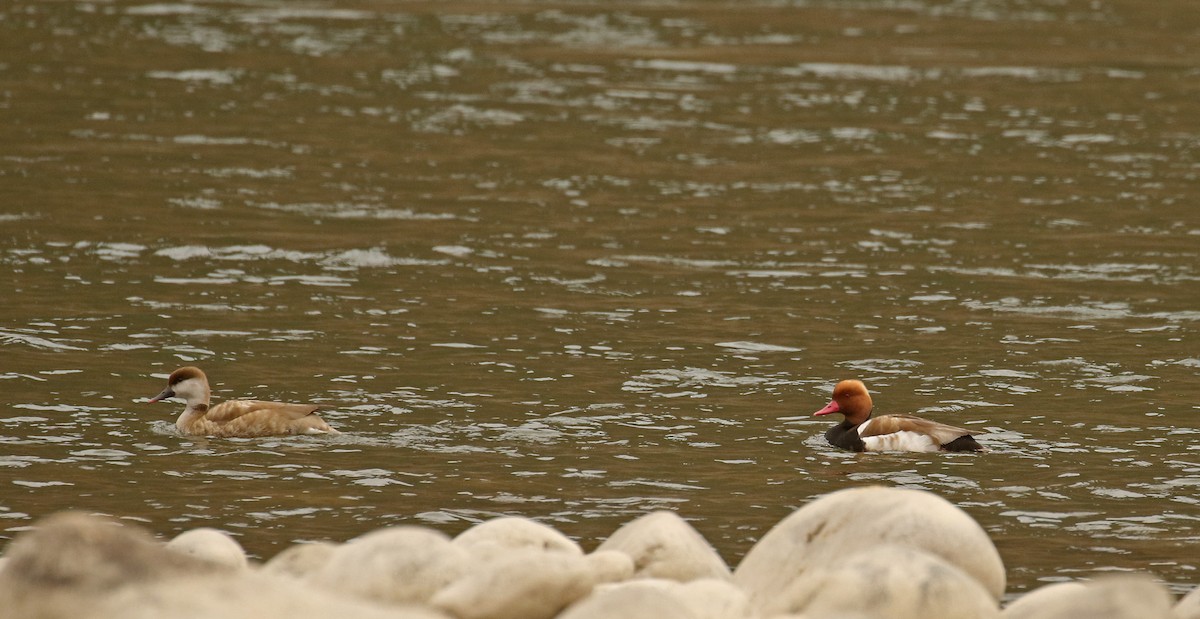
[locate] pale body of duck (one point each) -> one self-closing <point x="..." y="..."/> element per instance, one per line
<point x="236" y="418"/>
<point x="862" y="432"/>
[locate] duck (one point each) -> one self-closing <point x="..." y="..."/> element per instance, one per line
<point x="236" y="418"/>
<point x="859" y="431"/>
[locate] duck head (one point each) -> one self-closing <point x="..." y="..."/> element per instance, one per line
<point x="188" y="383"/>
<point x="850" y="398"/>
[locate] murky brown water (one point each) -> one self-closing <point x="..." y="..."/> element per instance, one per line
<point x="577" y="261"/>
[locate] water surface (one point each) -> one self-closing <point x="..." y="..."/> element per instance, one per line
<point x="578" y="261"/>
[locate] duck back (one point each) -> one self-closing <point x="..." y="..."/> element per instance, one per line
<point x="251" y="418"/>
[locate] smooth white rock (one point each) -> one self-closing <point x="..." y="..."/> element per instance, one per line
<point x="1045" y="595"/>
<point x="1188" y="607"/>
<point x="712" y="598"/>
<point x="499" y="536"/>
<point x="76" y="565"/>
<point x="848" y="521"/>
<point x="1133" y="596"/>
<point x="526" y="584"/>
<point x="609" y="566"/>
<point x="631" y="600"/>
<point x="252" y="595"/>
<point x="300" y="560"/>
<point x="703" y="598"/>
<point x="663" y="545"/>
<point x="211" y="545"/>
<point x="69" y="561"/>
<point x="397" y="565"/>
<point x="888" y="582"/>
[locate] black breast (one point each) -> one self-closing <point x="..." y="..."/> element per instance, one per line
<point x="845" y="435"/>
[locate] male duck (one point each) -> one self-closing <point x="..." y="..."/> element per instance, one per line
<point x="861" y="432"/>
<point x="236" y="418"/>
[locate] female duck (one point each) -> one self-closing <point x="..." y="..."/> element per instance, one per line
<point x="236" y="418"/>
<point x="861" y="432"/>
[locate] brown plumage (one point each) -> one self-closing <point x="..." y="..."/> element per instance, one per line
<point x="236" y="418"/>
<point x="862" y="432"/>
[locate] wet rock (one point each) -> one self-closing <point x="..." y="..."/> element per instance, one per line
<point x="663" y="545"/>
<point x="396" y="565"/>
<point x="1115" y="597"/>
<point x="849" y="521"/>
<point x="210" y="545"/>
<point x="503" y="535"/>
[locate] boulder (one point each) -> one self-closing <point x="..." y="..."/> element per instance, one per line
<point x="74" y="565"/>
<point x="888" y="582"/>
<point x="300" y="560"/>
<point x="525" y="584"/>
<point x="663" y="545"/>
<point x="1133" y="596"/>
<point x="850" y="521"/>
<point x="210" y="545"/>
<point x="395" y="565"/>
<point x="1188" y="607"/>
<point x="502" y="535"/>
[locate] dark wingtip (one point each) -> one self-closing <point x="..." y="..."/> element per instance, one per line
<point x="964" y="443"/>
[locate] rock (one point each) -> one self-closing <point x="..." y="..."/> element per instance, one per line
<point x="500" y="536"/>
<point x="888" y="582"/>
<point x="396" y="565"/>
<point x="300" y="560"/>
<point x="609" y="566"/>
<point x="631" y="600"/>
<point x="663" y="545"/>
<point x="248" y="595"/>
<point x="1112" y="597"/>
<point x="525" y="584"/>
<point x="848" y="521"/>
<point x="704" y="598"/>
<point x="210" y="545"/>
<point x="1047" y="595"/>
<point x="71" y="560"/>
<point x="73" y="565"/>
<point x="1188" y="607"/>
<point x="711" y="598"/>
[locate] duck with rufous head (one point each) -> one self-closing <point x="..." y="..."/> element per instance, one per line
<point x="859" y="431"/>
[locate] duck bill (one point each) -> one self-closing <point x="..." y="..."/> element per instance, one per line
<point x="166" y="393"/>
<point x="829" y="409"/>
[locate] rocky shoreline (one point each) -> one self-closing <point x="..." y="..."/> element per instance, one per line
<point x="865" y="553"/>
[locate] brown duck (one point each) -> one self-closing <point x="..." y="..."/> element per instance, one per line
<point x="236" y="418"/>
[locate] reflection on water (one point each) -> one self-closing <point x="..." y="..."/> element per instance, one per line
<point x="577" y="262"/>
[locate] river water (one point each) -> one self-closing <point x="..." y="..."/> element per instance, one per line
<point x="581" y="260"/>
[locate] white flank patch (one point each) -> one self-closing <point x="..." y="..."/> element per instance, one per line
<point x="900" y="441"/>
